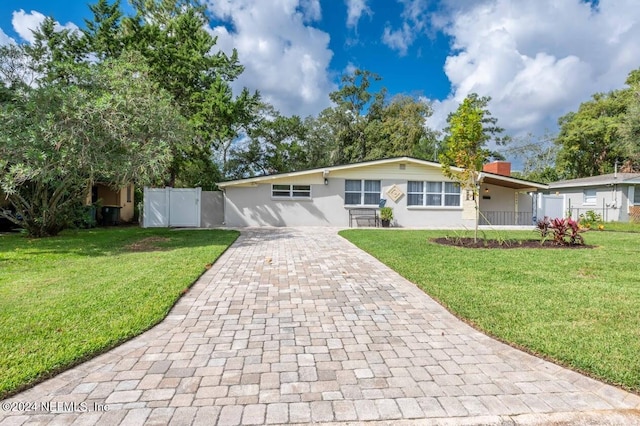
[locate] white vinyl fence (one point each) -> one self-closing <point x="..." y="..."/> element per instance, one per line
<point x="551" y="206"/>
<point x="171" y="207"/>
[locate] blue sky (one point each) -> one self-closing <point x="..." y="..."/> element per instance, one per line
<point x="537" y="59"/>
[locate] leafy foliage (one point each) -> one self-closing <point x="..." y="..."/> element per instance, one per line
<point x="538" y="156"/>
<point x="471" y="126"/>
<point x="386" y="213"/>
<point x="603" y="130"/>
<point x="364" y="125"/>
<point x="275" y="144"/>
<point x="590" y="219"/>
<point x="182" y="59"/>
<point x="630" y="129"/>
<point x="543" y="228"/>
<point x="566" y="231"/>
<point x="114" y="125"/>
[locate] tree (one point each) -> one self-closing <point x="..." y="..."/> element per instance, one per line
<point x="630" y="129"/>
<point x="102" y="35"/>
<point x="171" y="36"/>
<point x="601" y="133"/>
<point x="365" y="125"/>
<point x="225" y="117"/>
<point x="276" y="144"/>
<point x="319" y="144"/>
<point x="589" y="139"/>
<point x="469" y="129"/>
<point x="538" y="158"/>
<point x="181" y="56"/>
<point x="55" y="55"/>
<point x="355" y="109"/>
<point x="402" y="130"/>
<point x="115" y="125"/>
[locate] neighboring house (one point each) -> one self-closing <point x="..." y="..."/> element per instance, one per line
<point x="417" y="190"/>
<point x="615" y="196"/>
<point x="121" y="199"/>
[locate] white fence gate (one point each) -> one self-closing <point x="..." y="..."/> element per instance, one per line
<point x="165" y="207"/>
<point x="551" y="206"/>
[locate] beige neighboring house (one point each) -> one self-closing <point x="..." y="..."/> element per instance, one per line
<point x="122" y="198"/>
<point x="615" y="196"/>
<point x="342" y="196"/>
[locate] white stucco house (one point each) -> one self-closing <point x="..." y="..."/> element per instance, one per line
<point x="615" y="196"/>
<point x="342" y="196"/>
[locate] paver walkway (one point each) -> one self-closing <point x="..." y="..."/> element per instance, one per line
<point x="299" y="326"/>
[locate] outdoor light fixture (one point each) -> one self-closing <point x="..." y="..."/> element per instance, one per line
<point x="486" y="190"/>
<point x="326" y="181"/>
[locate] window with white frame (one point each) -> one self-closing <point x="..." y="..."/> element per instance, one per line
<point x="590" y="197"/>
<point x="291" y="191"/>
<point x="362" y="192"/>
<point x="636" y="195"/>
<point x="433" y="194"/>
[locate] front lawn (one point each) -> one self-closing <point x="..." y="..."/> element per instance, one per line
<point x="580" y="307"/>
<point x="622" y="226"/>
<point x="68" y="298"/>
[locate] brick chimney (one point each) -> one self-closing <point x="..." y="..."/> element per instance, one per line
<point x="502" y="168"/>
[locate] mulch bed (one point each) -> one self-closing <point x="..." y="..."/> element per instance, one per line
<point x="504" y="244"/>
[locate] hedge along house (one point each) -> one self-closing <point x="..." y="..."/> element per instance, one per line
<point x="615" y="196"/>
<point x="417" y="190"/>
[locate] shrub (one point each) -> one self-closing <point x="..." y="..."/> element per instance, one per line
<point x="566" y="231"/>
<point x="542" y="227"/>
<point x="590" y="219"/>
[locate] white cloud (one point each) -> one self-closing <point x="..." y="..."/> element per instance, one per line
<point x="311" y="10"/>
<point x="285" y="58"/>
<point x="537" y="60"/>
<point x="400" y="39"/>
<point x="5" y="39"/>
<point x="355" y="10"/>
<point x="350" y="68"/>
<point x="25" y="23"/>
<point x="414" y="22"/>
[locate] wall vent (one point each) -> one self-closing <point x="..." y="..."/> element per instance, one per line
<point x="403" y="166"/>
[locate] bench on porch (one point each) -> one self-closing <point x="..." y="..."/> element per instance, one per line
<point x="361" y="215"/>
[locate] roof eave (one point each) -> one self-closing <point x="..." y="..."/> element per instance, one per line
<point x="267" y="178"/>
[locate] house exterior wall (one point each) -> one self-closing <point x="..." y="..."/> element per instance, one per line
<point x="502" y="199"/>
<point x="123" y="198"/>
<point x="611" y="202"/>
<point x="505" y="206"/>
<point x="253" y="204"/>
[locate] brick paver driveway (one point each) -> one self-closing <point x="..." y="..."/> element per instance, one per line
<point x="299" y="326"/>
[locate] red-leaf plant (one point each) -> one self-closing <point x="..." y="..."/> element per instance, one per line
<point x="566" y="231"/>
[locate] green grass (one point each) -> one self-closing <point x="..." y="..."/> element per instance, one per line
<point x="579" y="307"/>
<point x="68" y="298"/>
<point x="622" y="226"/>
